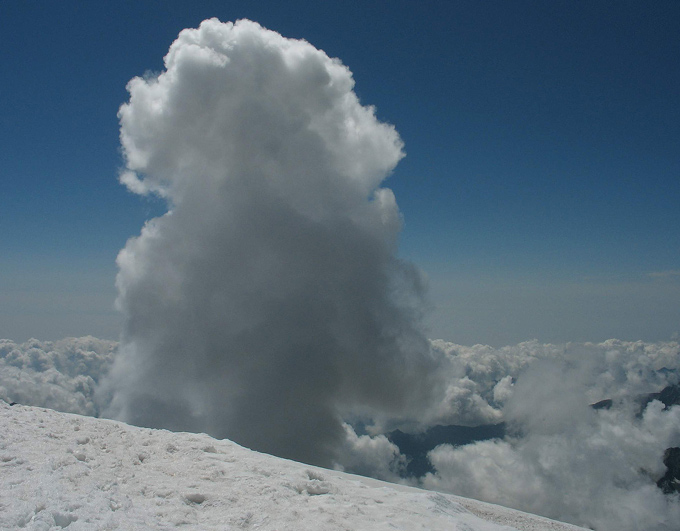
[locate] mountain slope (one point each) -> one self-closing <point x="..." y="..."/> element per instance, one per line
<point x="61" y="470"/>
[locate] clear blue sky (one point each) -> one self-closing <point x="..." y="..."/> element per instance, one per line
<point x="540" y="191"/>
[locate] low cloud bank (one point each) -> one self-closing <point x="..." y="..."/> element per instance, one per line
<point x="561" y="458"/>
<point x="61" y="375"/>
<point x="481" y="380"/>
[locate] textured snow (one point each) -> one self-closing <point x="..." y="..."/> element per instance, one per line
<point x="60" y="470"/>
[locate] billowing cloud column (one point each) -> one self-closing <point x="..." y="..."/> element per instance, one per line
<point x="268" y="299"/>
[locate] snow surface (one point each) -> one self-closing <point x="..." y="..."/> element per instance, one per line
<point x="62" y="470"/>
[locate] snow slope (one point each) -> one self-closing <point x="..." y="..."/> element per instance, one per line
<point x="61" y="470"/>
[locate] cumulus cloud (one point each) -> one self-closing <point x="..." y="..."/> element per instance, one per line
<point x="268" y="301"/>
<point x="60" y="375"/>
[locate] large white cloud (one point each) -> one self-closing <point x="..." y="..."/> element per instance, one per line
<point x="268" y="299"/>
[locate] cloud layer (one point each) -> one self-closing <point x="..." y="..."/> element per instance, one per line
<point x="268" y="300"/>
<point x="61" y="375"/>
<point x="564" y="459"/>
<point x="561" y="459"/>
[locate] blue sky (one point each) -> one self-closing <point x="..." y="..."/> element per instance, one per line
<point x="541" y="185"/>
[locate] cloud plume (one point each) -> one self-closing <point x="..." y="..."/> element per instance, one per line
<point x="268" y="301"/>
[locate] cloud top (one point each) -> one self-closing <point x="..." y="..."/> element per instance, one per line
<point x="243" y="104"/>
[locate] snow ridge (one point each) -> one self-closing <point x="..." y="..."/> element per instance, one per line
<point x="61" y="470"/>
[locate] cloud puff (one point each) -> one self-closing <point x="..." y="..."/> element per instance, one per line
<point x="60" y="375"/>
<point x="268" y="301"/>
<point x="372" y="456"/>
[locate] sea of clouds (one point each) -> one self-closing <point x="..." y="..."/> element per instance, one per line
<point x="61" y="375"/>
<point x="561" y="458"/>
<point x="268" y="305"/>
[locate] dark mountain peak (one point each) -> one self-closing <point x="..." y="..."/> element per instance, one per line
<point x="668" y="396"/>
<point x="603" y="404"/>
<point x="670" y="482"/>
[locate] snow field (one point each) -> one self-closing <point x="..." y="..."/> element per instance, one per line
<point x="61" y="470"/>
